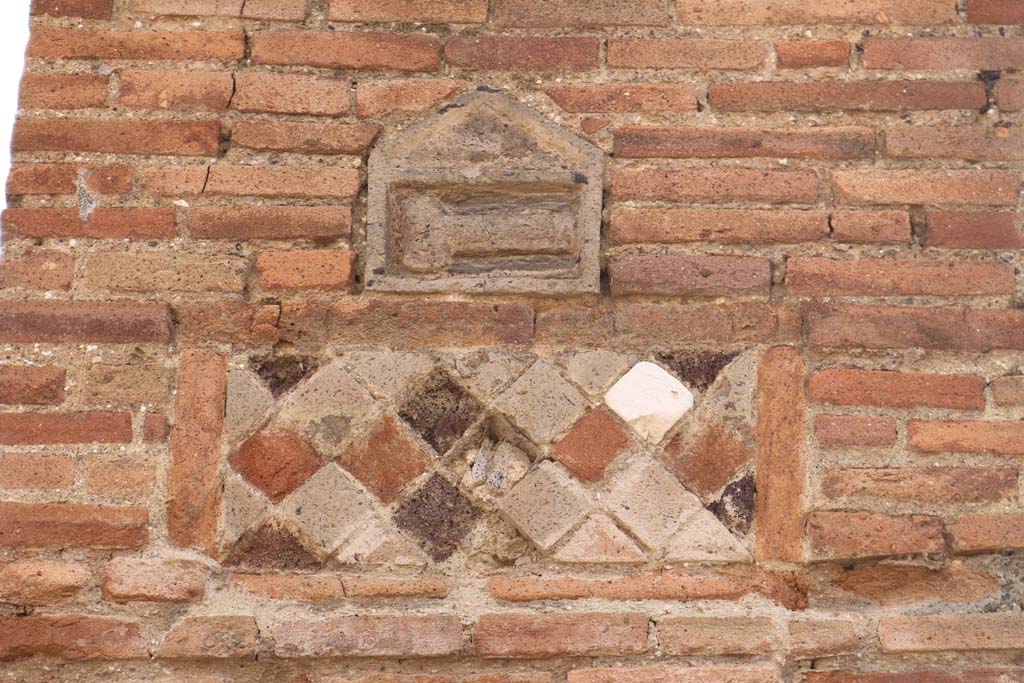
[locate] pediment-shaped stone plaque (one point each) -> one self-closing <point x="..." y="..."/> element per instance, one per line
<point x="485" y="196"/>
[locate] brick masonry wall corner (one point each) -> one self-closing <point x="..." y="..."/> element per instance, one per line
<point x="511" y="341"/>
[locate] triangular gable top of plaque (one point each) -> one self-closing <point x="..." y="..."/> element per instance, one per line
<point x="484" y="131"/>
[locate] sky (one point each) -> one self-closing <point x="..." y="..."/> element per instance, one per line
<point x="13" y="37"/>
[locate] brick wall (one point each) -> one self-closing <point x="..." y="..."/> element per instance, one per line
<point x="781" y="445"/>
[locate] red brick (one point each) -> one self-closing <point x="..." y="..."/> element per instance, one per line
<point x="386" y="460"/>
<point x="995" y="12"/>
<point x="127" y="579"/>
<point x="813" y="638"/>
<point x="944" y="54"/>
<point x="1008" y="391"/>
<point x="80" y="43"/>
<point x="369" y="587"/>
<point x="995" y="188"/>
<point x="781" y="12"/>
<point x="307" y="138"/>
<point x="560" y="635"/>
<point x="174" y="181"/>
<point x="41" y="581"/>
<point x="66" y="525"/>
<point x="291" y="94"/>
<point x="385" y="97"/>
<point x="295" y="587"/>
<point x="102" y="224"/>
<point x="579" y="13"/>
<point x="419" y="11"/>
<point x="684" y="142"/>
<point x="851" y="535"/>
<point x="809" y="54"/>
<point x="885" y="276"/>
<point x="194" y="475"/>
<point x="38" y="471"/>
<point x="689" y="275"/>
<point x="827" y="96"/>
<point x="716" y="635"/>
<point x="120" y="475"/>
<point x="980" y="676"/>
<point x="63" y="91"/>
<point x="65" y="428"/>
<point x="727" y="226"/>
<point x="894" y="584"/>
<point x="656" y="53"/>
<point x="841" y="431"/>
<point x="973" y="143"/>
<point x="188" y="90"/>
<point x="305" y="269"/>
<point x="177" y="138"/>
<point x="732" y="322"/>
<point x="276" y="461"/>
<point x="37" y="270"/>
<point x="947" y="633"/>
<point x="591" y="445"/>
<point x="781" y="427"/>
<point x="348" y="50"/>
<point x="716" y="185"/>
<point x="523" y="53"/>
<point x="31" y="385"/>
<point x="189" y="8"/>
<point x="269" y="222"/>
<point x="367" y="636"/>
<point x="967" y="436"/>
<point x="81" y="321"/>
<point x="871" y="227"/>
<point x="710" y="462"/>
<point x="85" y="9"/>
<point x="933" y="485"/>
<point x="228" y="321"/>
<point x="64" y="179"/>
<point x="622" y="97"/>
<point x="844" y="387"/>
<point x="973" y="230"/>
<point x="988" y="533"/>
<point x="71" y="636"/>
<point x="784" y="588"/>
<point x="668" y="674"/>
<point x="410" y="323"/>
<point x="284" y="181"/>
<point x="211" y="637"/>
<point x="1010" y="93"/>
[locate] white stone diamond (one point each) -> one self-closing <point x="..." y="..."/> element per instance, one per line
<point x="650" y="400"/>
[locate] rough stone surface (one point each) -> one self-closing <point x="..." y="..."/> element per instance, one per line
<point x="649" y="502"/>
<point x="599" y="541"/>
<point x="546" y="504"/>
<point x="326" y="408"/>
<point x="542" y="403"/>
<point x="439" y="516"/>
<point x="330" y="506"/>
<point x="441" y="411"/>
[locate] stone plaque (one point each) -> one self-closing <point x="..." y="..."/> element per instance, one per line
<point x="485" y="196"/>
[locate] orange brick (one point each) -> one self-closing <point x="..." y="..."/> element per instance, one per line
<point x="739" y="13"/>
<point x="944" y="54"/>
<point x="967" y="436"/>
<point x="85" y="9"/>
<point x="824" y="96"/>
<point x="420" y="11"/>
<point x="869" y="227"/>
<point x="177" y="138"/>
<point x="189" y="8"/>
<point x="305" y="269"/>
<point x="155" y="428"/>
<point x="291" y="94"/>
<point x="308" y="138"/>
<point x="895" y="584"/>
<point x="654" y="53"/>
<point x="71" y="636"/>
<point x="1008" y="391"/>
<point x="716" y="635"/>
<point x="668" y="674"/>
<point x="367" y="636"/>
<point x="579" y="13"/>
<point x="127" y="579"/>
<point x="622" y="97"/>
<point x="850" y="535"/>
<point x="211" y="637"/>
<point x="897" y="389"/>
<point x="174" y="180"/>
<point x="269" y="222"/>
<point x="559" y="635"/>
<point x="1011" y="94"/>
<point x="31" y="385"/>
<point x="383" y="97"/>
<point x="284" y="181"/>
<point x="813" y="638"/>
<point x="41" y="525"/>
<point x="64" y="179"/>
<point x="988" y="533"/>
<point x="974" y="143"/>
<point x="102" y="224"/>
<point x="120" y="475"/>
<point x="948" y="633"/>
<point x="995" y="12"/>
<point x="928" y="484"/>
<point x="36" y="471"/>
<point x="63" y="91"/>
<point x="81" y="321"/>
<point x="523" y="53"/>
<point x="995" y="188"/>
<point x="809" y="54"/>
<point x="841" y="431"/>
<point x="228" y="321"/>
<point x="41" y="581"/>
<point x="188" y="90"/>
<point x="80" y="43"/>
<point x="686" y="275"/>
<point x="280" y="10"/>
<point x="728" y="226"/>
<point x="65" y="428"/>
<point x="716" y="185"/>
<point x="348" y="50"/>
<point x="973" y="230"/>
<point x="296" y="587"/>
<point x="39" y="270"/>
<point x="683" y="142"/>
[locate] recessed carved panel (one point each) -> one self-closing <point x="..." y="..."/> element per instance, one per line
<point x="485" y="196"/>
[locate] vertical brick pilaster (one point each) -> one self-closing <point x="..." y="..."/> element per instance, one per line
<point x="194" y="479"/>
<point x="781" y="425"/>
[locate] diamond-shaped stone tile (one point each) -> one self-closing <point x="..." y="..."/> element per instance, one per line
<point x="438" y="515"/>
<point x="542" y="403"/>
<point x="327" y="407"/>
<point x="248" y="403"/>
<point x="272" y="546"/>
<point x="241" y="508"/>
<point x="281" y="373"/>
<point x="595" y="370"/>
<point x="591" y="445"/>
<point x="650" y="502"/>
<point x="650" y="400"/>
<point x="599" y="541"/>
<point x="546" y="504"/>
<point x="488" y="371"/>
<point x="735" y="507"/>
<point x="330" y="507"/>
<point x="377" y="542"/>
<point x="697" y="369"/>
<point x="386" y="460"/>
<point x="276" y="461"/>
<point x="387" y="373"/>
<point x="441" y="411"/>
<point x="702" y="538"/>
<point x="710" y="462"/>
